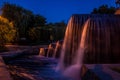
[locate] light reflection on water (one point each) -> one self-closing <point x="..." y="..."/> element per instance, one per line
<point x="34" y="68"/>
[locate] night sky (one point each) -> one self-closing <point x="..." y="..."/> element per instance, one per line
<point x="59" y="10"/>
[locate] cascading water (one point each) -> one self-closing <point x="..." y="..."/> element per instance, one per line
<point x="54" y="49"/>
<point x="102" y="44"/>
<point x="42" y="52"/>
<point x="50" y="51"/>
<point x="71" y="40"/>
<point x="75" y="68"/>
<point x="57" y="50"/>
<point x="70" y="44"/>
<point x="79" y="56"/>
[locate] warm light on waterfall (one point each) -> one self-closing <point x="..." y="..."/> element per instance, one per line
<point x="84" y="34"/>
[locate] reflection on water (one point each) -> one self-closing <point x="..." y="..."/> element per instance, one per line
<point x="40" y="68"/>
<point x="34" y="68"/>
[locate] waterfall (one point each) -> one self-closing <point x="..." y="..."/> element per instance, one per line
<point x="50" y="51"/>
<point x="57" y="50"/>
<point x="89" y="39"/>
<point x="78" y="62"/>
<point x="80" y="52"/>
<point x="71" y="41"/>
<point x="42" y="52"/>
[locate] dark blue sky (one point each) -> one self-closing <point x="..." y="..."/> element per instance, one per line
<point x="60" y="10"/>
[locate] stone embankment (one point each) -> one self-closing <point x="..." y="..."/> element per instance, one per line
<point x="14" y="52"/>
<point x="4" y="73"/>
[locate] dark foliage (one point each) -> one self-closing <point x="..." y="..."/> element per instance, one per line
<point x="32" y="27"/>
<point x="104" y="9"/>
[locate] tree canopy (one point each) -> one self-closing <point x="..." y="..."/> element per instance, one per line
<point x="22" y="19"/>
<point x="30" y="26"/>
<point x="7" y="31"/>
<point x="104" y="9"/>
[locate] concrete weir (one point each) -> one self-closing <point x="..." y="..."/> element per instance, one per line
<point x="4" y="73"/>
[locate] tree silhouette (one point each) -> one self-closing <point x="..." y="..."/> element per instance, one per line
<point x="22" y="19"/>
<point x="104" y="9"/>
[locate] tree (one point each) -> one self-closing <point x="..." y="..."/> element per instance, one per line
<point x="50" y="32"/>
<point x="60" y="24"/>
<point x="104" y="9"/>
<point x="57" y="30"/>
<point x="39" y="21"/>
<point x="19" y="16"/>
<point x="39" y="34"/>
<point x="22" y="19"/>
<point x="7" y="31"/>
<point x="32" y="26"/>
<point x="34" y="34"/>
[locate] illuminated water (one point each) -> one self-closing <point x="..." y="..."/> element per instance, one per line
<point x="34" y="68"/>
<point x="90" y="39"/>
